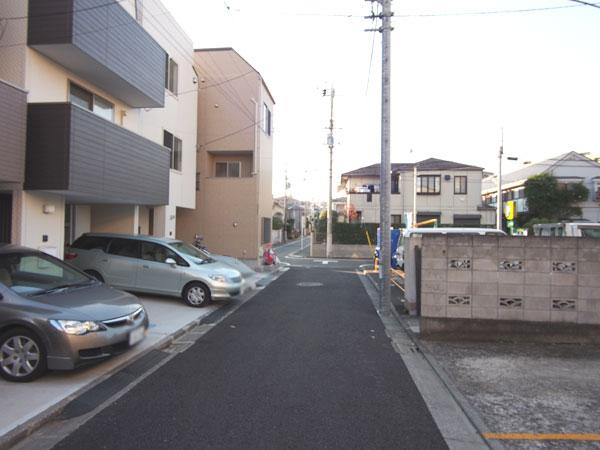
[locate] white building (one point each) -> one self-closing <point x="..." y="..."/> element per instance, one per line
<point x="571" y="167"/>
<point x="111" y="109"/>
<point x="447" y="191"/>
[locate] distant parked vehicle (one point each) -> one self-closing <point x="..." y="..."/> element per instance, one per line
<point x="408" y="232"/>
<point x="52" y="316"/>
<point x="154" y="265"/>
<point x="574" y="229"/>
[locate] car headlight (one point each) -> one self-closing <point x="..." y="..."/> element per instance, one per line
<point x="219" y="278"/>
<point x="76" y="326"/>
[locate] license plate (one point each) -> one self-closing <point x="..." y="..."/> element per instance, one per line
<point x="136" y="335"/>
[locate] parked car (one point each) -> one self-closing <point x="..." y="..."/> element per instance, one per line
<point x="154" y="265"/>
<point x="408" y="232"/>
<point x="571" y="229"/>
<point x="53" y="316"/>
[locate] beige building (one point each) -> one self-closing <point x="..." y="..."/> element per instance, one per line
<point x="447" y="191"/>
<point x="110" y="121"/>
<point x="234" y="159"/>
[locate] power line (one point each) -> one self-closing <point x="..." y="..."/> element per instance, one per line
<point x="593" y="5"/>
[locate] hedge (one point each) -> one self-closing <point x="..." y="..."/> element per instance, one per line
<point x="347" y="233"/>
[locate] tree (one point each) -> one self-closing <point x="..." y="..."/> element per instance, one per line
<point x="551" y="201"/>
<point x="277" y="223"/>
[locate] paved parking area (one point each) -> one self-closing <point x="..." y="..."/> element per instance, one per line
<point x="22" y="402"/>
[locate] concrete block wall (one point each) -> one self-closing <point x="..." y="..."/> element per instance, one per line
<point x="532" y="279"/>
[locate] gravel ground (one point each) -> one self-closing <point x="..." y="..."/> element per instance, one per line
<point x="528" y="388"/>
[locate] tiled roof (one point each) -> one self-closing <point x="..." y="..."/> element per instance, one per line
<point x="427" y="164"/>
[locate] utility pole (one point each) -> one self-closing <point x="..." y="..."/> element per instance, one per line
<point x="499" y="198"/>
<point x="329" y="199"/>
<point x="287" y="185"/>
<point x="385" y="166"/>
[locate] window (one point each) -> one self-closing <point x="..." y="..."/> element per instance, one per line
<point x="171" y="75"/>
<point x="158" y="253"/>
<point x="175" y="145"/>
<point x="129" y="248"/>
<point x="266" y="120"/>
<point x="91" y="243"/>
<point x="266" y="230"/>
<point x="85" y="99"/>
<point x="197" y="181"/>
<point x="229" y="169"/>
<point x="428" y="184"/>
<point x="460" y="185"/>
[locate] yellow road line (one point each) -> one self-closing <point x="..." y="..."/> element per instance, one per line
<point x="542" y="437"/>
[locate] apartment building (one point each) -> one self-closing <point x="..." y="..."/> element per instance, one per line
<point x="445" y="190"/>
<point x="570" y="167"/>
<point x="235" y="157"/>
<point x="111" y="110"/>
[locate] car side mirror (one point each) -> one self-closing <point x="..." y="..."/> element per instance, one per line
<point x="171" y="262"/>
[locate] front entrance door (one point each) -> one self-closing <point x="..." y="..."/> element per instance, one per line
<point x="5" y="217"/>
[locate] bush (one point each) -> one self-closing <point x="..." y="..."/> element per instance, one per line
<point x="346" y="233"/>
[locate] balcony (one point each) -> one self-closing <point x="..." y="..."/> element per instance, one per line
<point x="73" y="152"/>
<point x="103" y="44"/>
<point x="13" y="114"/>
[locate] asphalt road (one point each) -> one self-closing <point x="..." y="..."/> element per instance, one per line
<point x="296" y="367"/>
<point x="296" y="254"/>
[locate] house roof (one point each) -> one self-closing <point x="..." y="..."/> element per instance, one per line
<point x="546" y="166"/>
<point x="426" y="164"/>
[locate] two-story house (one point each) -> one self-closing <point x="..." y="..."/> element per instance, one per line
<point x="234" y="158"/>
<point x="568" y="168"/>
<point x="110" y="121"/>
<point x="445" y="190"/>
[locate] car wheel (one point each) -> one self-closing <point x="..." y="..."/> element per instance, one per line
<point x="95" y="274"/>
<point x="22" y="355"/>
<point x="196" y="294"/>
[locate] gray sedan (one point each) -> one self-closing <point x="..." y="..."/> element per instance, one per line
<point x="154" y="265"/>
<point x="53" y="316"/>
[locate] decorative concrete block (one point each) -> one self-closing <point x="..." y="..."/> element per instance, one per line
<point x="459" y="263"/>
<point x="484" y="313"/>
<point x="485" y="276"/>
<point x="460" y="251"/>
<point x="589" y="293"/>
<point x="459" y="300"/>
<point x="484" y="301"/>
<point x="485" y="264"/>
<point x="433" y="310"/>
<point x="536" y="316"/>
<point x="511" y="265"/>
<point x="564" y="304"/>
<point x="511" y="277"/>
<point x="538" y="266"/>
<point x="537" y="290"/>
<point x="564" y="266"/>
<point x="589" y="317"/>
<point x="429" y="299"/>
<point x="563" y="316"/>
<point x="433" y="275"/>
<point x="463" y="312"/>
<point x="511" y="253"/>
<point x="563" y="279"/>
<point x="433" y="263"/>
<point x="537" y="304"/>
<point x="589" y="280"/>
<point x="564" y="291"/>
<point x="433" y="287"/>
<point x="537" y="278"/>
<point x="539" y="253"/>
<point x="510" y="290"/>
<point x="510" y="314"/>
<point x="461" y="276"/>
<point x="484" y="288"/>
<point x="458" y="288"/>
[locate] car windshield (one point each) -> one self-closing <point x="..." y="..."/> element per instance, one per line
<point x="195" y="254"/>
<point x="37" y="273"/>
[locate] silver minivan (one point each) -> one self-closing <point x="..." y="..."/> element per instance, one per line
<point x="154" y="265"/>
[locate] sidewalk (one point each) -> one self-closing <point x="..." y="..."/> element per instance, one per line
<point x="25" y="406"/>
<point x="522" y="393"/>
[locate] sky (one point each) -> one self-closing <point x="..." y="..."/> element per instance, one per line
<point x="462" y="71"/>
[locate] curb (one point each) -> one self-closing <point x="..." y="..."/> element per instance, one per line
<point x="31" y="425"/>
<point x="468" y="410"/>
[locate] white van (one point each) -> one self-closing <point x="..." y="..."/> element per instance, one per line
<point x="408" y="232"/>
<point x="574" y="229"/>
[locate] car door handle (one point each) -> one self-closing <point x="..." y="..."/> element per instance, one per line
<point x="145" y="266"/>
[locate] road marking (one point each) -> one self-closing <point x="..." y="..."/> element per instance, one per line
<point x="542" y="437"/>
<point x="327" y="261"/>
